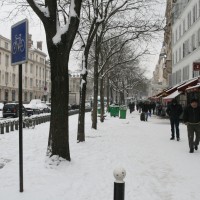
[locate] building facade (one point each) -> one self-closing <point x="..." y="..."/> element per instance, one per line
<point x="185" y="39"/>
<point x="167" y="54"/>
<point x="36" y="75"/>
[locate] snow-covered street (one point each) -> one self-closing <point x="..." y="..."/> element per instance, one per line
<point x="156" y="168"/>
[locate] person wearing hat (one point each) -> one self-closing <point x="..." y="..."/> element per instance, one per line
<point x="174" y="110"/>
<point x="191" y="118"/>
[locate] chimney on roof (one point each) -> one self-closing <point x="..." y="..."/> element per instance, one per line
<point x="39" y="45"/>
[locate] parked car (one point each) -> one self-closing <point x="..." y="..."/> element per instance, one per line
<point x="74" y="106"/>
<point x="35" y="109"/>
<point x="12" y="110"/>
<point x="43" y="108"/>
<point x="29" y="110"/>
<point x="1" y="106"/>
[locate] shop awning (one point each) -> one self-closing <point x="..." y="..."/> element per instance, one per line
<point x="195" y="88"/>
<point x="171" y="96"/>
<point x="189" y="83"/>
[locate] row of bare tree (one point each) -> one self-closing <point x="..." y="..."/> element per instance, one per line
<point x="113" y="35"/>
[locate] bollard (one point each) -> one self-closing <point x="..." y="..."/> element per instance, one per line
<point x="7" y="127"/>
<point x="16" y="125"/>
<point x="2" y="128"/>
<point x="119" y="184"/>
<point x="12" y="126"/>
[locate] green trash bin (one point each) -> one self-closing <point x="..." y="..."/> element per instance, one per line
<point x="114" y="111"/>
<point x="99" y="111"/>
<point x="122" y="111"/>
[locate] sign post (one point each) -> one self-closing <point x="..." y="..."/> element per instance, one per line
<point x="19" y="55"/>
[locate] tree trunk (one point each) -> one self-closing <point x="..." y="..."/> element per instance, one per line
<point x="81" y="117"/>
<point x="108" y="92"/>
<point x="102" y="99"/>
<point x="94" y="111"/>
<point x="58" y="143"/>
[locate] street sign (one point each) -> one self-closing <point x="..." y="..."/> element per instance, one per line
<point x="19" y="42"/>
<point x="19" y="55"/>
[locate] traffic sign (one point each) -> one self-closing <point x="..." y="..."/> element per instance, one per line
<point x="19" y="42"/>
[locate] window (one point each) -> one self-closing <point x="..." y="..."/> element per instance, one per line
<point x="186" y="48"/>
<point x="198" y="37"/>
<point x="6" y="60"/>
<point x="199" y="8"/>
<point x="26" y="80"/>
<point x="180" y="31"/>
<point x="0" y="57"/>
<point x="36" y="70"/>
<point x="6" y="95"/>
<point x="6" y="78"/>
<point x="176" y="34"/>
<point x="193" y="42"/>
<point x="13" y="79"/>
<point x="31" y="95"/>
<point x="194" y="13"/>
<point x="42" y="60"/>
<point x="185" y="73"/>
<point x="179" y="53"/>
<point x="40" y="72"/>
<point x="25" y="96"/>
<point x="189" y="19"/>
<point x="176" y="56"/>
<point x="178" y="76"/>
<point x="13" y="95"/>
<point x="26" y="66"/>
<point x="0" y="76"/>
<point x="6" y="45"/>
<point x="31" y="68"/>
<point x="184" y="26"/>
<point x="31" y="82"/>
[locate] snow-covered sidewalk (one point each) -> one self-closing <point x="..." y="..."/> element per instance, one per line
<point x="157" y="168"/>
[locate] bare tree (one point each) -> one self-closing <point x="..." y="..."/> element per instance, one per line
<point x="133" y="25"/>
<point x="61" y="21"/>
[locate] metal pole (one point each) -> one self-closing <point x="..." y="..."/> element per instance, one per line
<point x="119" y="184"/>
<point x="20" y="132"/>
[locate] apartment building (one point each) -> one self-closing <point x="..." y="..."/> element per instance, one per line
<point x="185" y="39"/>
<point x="74" y="87"/>
<point x="36" y="74"/>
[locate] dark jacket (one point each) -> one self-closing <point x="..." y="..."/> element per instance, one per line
<point x="145" y="107"/>
<point x="191" y="115"/>
<point x="174" y="110"/>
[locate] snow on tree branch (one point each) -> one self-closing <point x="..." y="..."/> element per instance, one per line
<point x="44" y="10"/>
<point x="62" y="30"/>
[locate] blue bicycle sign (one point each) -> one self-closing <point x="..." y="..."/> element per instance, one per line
<point x="19" y="41"/>
<point x="18" y="44"/>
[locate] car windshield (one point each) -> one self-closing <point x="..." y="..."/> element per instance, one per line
<point x="9" y="106"/>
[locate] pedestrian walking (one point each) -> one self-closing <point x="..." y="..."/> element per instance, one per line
<point x="145" y="109"/>
<point x="174" y="111"/>
<point x="191" y="118"/>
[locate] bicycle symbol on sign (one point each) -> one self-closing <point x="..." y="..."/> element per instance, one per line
<point x="18" y="44"/>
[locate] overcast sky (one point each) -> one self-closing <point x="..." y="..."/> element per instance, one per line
<point x="38" y="34"/>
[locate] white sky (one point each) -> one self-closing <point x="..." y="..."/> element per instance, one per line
<point x="156" y="167"/>
<point x="38" y="34"/>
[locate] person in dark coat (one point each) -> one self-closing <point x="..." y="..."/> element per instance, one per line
<point x="145" y="109"/>
<point x="191" y="118"/>
<point x="174" y="111"/>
